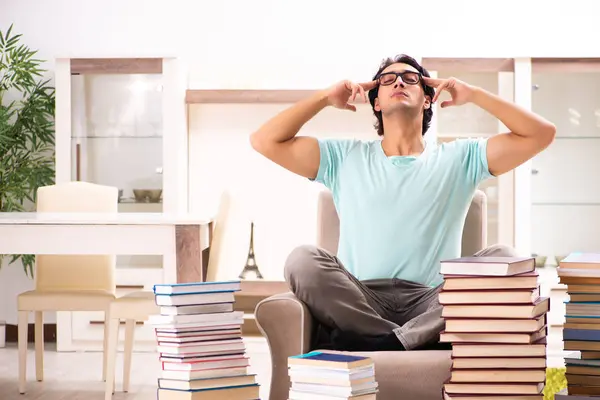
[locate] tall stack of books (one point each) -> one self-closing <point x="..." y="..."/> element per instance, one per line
<point x="495" y="320"/>
<point x="200" y="344"/>
<point x="321" y="375"/>
<point x="581" y="330"/>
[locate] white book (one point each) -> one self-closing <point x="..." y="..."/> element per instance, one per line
<point x="231" y="363"/>
<point x="197" y="287"/>
<point x="234" y="345"/>
<point x="225" y="318"/>
<point x="487" y="266"/>
<point x="204" y="374"/>
<point x="197" y="309"/>
<point x="188" y="339"/>
<point x="179" y="327"/>
<point x="203" y="327"/>
<point x="194" y="299"/>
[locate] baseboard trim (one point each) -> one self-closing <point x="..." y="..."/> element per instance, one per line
<point x="49" y="333"/>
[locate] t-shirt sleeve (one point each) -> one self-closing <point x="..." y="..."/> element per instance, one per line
<point x="333" y="153"/>
<point x="474" y="160"/>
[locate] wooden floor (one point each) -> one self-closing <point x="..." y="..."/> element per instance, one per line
<point x="77" y="376"/>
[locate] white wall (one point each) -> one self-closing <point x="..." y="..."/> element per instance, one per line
<point x="283" y="205"/>
<point x="269" y="43"/>
<point x="285" y="41"/>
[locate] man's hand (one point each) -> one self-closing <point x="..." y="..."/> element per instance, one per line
<point x="344" y="92"/>
<point x="276" y="139"/>
<point x="460" y="91"/>
<point x="529" y="133"/>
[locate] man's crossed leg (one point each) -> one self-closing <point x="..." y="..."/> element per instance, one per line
<point x="380" y="314"/>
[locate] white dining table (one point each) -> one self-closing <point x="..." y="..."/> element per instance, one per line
<point x="180" y="239"/>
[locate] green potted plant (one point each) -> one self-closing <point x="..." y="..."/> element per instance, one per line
<point x="27" y="105"/>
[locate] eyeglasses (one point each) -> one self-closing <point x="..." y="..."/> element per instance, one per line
<point x="408" y="77"/>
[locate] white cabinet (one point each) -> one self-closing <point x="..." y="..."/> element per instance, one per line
<point x="549" y="206"/>
<point x="565" y="180"/>
<point x="122" y="122"/>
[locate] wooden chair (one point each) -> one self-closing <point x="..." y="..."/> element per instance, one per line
<point x="132" y="307"/>
<point x="70" y="282"/>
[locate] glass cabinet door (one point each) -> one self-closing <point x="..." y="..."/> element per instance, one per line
<point x="470" y="121"/>
<point x="565" y="209"/>
<point x="116" y="140"/>
<point x="117" y="135"/>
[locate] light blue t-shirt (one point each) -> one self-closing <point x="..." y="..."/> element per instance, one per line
<point x="401" y="215"/>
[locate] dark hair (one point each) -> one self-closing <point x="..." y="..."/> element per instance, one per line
<point x="429" y="91"/>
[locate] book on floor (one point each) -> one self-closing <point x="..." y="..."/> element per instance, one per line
<point x="517" y="375"/>
<point x="499" y="362"/>
<point x="494" y="325"/>
<point x="448" y="396"/>
<point x="581" y="330"/>
<point x="493" y="337"/>
<point x="199" y="340"/>
<point x="241" y="392"/>
<point x="189" y="299"/>
<point x="331" y="375"/>
<point x="529" y="311"/>
<point x="537" y="349"/>
<point x="580" y="260"/>
<point x="496" y="322"/>
<point x="487" y="266"/>
<point x="206" y="383"/>
<point x="527" y="280"/>
<point x="329" y="360"/>
<point x="223" y="318"/>
<point x="565" y="395"/>
<point x="490" y="296"/>
<point x="197" y="287"/>
<point x="476" y="388"/>
<point x="197" y="309"/>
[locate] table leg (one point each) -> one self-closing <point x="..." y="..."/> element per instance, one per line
<point x="189" y="253"/>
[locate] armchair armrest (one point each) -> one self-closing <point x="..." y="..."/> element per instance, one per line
<point x="287" y="325"/>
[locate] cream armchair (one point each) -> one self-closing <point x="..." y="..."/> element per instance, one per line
<point x="67" y="283"/>
<point x="288" y="325"/>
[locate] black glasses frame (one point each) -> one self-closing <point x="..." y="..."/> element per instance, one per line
<point x="401" y="75"/>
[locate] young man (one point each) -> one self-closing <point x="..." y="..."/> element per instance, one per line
<point x="402" y="203"/>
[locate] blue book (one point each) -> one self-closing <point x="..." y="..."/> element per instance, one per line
<point x="330" y="360"/>
<point x="225" y="392"/>
<point x="590" y="335"/>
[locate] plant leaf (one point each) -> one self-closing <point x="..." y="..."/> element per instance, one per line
<point x="26" y="131"/>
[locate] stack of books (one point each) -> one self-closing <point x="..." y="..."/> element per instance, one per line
<point x="321" y="375"/>
<point x="495" y="320"/>
<point x="581" y="330"/>
<point x="200" y="344"/>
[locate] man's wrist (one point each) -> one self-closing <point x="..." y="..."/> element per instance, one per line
<point x="321" y="97"/>
<point x="475" y="94"/>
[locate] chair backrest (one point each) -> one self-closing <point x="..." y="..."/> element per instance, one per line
<point x="474" y="233"/>
<point x="76" y="272"/>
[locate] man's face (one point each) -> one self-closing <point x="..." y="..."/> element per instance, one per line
<point x="400" y="92"/>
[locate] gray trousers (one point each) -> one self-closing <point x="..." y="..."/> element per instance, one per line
<point x="377" y="307"/>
